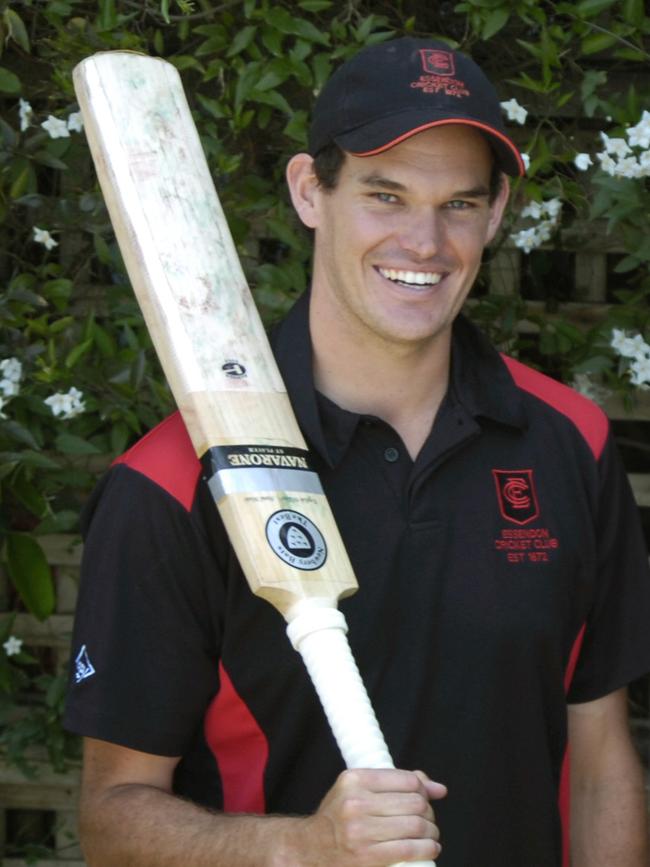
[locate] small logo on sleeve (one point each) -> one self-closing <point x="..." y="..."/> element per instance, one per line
<point x="517" y="496"/>
<point x="83" y="667"/>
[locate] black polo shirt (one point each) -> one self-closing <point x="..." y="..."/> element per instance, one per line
<point x="501" y="574"/>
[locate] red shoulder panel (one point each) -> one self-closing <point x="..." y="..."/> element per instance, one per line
<point x="167" y="457"/>
<point x="589" y="418"/>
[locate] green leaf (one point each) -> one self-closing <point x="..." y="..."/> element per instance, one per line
<point x="69" y="444"/>
<point x="591" y="8"/>
<point x="242" y="40"/>
<point x="75" y="355"/>
<point x="21" y="183"/>
<point x="494" y="22"/>
<point x="30" y="574"/>
<point x="17" y="29"/>
<point x="64" y="521"/>
<point x="9" y="83"/>
<point x="45" y="158"/>
<point x="315" y="5"/>
<point x="29" y="496"/>
<point x="30" y="459"/>
<point x="597" y="42"/>
<point x="633" y="12"/>
<point x="107" y="18"/>
<point x="19" y="433"/>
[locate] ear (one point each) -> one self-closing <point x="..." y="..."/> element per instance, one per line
<point x="498" y="207"/>
<point x="304" y="188"/>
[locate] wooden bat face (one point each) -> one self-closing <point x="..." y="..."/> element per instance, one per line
<point x="189" y="283"/>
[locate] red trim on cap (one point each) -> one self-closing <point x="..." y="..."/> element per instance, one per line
<point x="446" y="122"/>
<point x="240" y="747"/>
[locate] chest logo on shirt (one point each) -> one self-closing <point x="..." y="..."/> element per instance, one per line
<point x="516" y="495"/>
<point x="296" y="540"/>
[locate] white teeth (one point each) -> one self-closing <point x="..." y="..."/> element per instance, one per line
<point x="416" y="278"/>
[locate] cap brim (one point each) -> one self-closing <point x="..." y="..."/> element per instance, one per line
<point x="383" y="134"/>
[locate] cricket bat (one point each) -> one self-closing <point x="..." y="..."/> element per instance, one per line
<point x="208" y="335"/>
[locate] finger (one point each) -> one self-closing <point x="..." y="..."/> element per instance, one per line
<point x="434" y="790"/>
<point x="387" y="804"/>
<point x="383" y="780"/>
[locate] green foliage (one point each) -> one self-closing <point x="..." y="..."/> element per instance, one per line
<point x="251" y="70"/>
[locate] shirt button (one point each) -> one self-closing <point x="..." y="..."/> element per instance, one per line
<point x="391" y="455"/>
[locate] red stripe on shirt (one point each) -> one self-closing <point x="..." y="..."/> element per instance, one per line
<point x="167" y="457"/>
<point x="240" y="748"/>
<point x="589" y="418"/>
<point x="564" y="799"/>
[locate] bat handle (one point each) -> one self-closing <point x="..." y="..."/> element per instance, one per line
<point x="319" y="634"/>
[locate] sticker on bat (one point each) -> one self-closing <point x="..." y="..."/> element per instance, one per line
<point x="233" y="369"/>
<point x="296" y="540"/>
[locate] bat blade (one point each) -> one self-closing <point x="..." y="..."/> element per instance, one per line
<point x="208" y="335"/>
<point x="187" y="277"/>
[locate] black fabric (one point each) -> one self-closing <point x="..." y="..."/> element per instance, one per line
<point x="462" y="627"/>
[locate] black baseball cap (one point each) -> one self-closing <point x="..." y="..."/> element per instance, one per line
<point x="391" y="91"/>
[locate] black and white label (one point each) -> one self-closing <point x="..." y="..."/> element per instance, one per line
<point x="251" y="469"/>
<point x="296" y="540"/>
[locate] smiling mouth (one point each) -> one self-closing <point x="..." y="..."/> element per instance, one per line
<point x="411" y="278"/>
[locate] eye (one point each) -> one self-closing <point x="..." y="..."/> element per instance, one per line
<point x="459" y="205"/>
<point x="387" y="198"/>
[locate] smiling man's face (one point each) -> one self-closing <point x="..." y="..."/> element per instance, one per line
<point x="398" y="241"/>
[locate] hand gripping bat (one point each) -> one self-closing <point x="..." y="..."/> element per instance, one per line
<point x="214" y="352"/>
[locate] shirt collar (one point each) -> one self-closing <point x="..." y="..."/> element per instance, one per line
<point x="479" y="381"/>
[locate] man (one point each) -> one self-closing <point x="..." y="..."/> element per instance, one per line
<point x="504" y="593"/>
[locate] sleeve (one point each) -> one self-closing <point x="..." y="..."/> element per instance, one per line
<point x="146" y="636"/>
<point x="616" y="645"/>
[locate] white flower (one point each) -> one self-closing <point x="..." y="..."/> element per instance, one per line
<point x="75" y="122"/>
<point x="582" y="162"/>
<point x="25" y="113"/>
<point x="41" y="236"/>
<point x="56" y="128"/>
<point x="639" y="135"/>
<point x="628" y="168"/>
<point x="640" y="371"/>
<point x="552" y="208"/>
<point x="3" y="403"/>
<point x="11" y="369"/>
<point x="629" y="347"/>
<point x="514" y="111"/>
<point x="526" y="161"/>
<point x="644" y="163"/>
<point x="607" y="164"/>
<point x="617" y="146"/>
<point x="66" y="405"/>
<point x="532" y="209"/>
<point x="545" y="231"/>
<point x="13" y="645"/>
<point x="584" y="384"/>
<point x="526" y="239"/>
<point x="9" y="388"/>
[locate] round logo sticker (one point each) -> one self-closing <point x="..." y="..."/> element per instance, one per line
<point x="296" y="540"/>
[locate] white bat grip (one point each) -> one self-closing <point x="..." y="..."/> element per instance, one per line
<point x="319" y="635"/>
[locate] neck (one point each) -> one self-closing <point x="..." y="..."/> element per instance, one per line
<point x="402" y="384"/>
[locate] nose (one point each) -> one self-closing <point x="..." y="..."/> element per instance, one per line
<point x="422" y="234"/>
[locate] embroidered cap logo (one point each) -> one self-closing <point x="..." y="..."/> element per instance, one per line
<point x="517" y="495"/>
<point x="437" y="62"/>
